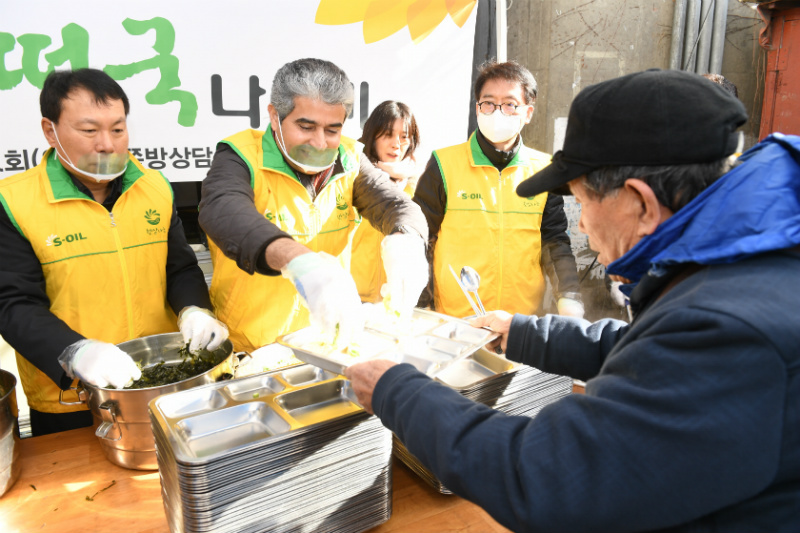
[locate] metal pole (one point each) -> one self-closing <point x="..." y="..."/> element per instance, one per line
<point x="502" y="31"/>
<point x="704" y="40"/>
<point x="718" y="36"/>
<point x="678" y="27"/>
<point x="690" y="38"/>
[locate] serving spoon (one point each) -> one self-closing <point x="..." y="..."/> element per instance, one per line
<point x="471" y="280"/>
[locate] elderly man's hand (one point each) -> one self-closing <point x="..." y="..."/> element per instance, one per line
<point x="497" y="321"/>
<point x="364" y="376"/>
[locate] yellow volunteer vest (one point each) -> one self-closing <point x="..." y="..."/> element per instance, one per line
<point x="488" y="227"/>
<point x="366" y="265"/>
<point x="105" y="273"/>
<point x="256" y="308"/>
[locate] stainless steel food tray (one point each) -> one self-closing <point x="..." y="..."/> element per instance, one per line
<point x="226" y="418"/>
<point x="492" y="380"/>
<point x="288" y="450"/>
<point x="428" y="340"/>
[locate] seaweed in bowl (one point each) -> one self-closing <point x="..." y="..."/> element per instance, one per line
<point x="163" y="373"/>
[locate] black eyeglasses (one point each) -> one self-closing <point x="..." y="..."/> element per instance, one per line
<point x="508" y="109"/>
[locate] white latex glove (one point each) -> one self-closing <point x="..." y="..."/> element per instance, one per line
<point x="570" y="307"/>
<point x="201" y="328"/>
<point x="406" y="268"/>
<point x="330" y="294"/>
<point x="100" y="364"/>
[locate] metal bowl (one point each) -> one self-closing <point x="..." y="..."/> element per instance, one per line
<point x="121" y="417"/>
<point x="151" y="350"/>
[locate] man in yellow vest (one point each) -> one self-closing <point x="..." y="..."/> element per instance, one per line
<point x="94" y="254"/>
<point x="285" y="201"/>
<point x="476" y="219"/>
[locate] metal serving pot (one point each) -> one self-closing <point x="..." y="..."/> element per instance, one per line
<point x="9" y="432"/>
<point x="121" y="418"/>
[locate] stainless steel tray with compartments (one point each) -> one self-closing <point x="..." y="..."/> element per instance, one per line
<point x="430" y="341"/>
<point x="225" y="418"/>
<point x="288" y="450"/>
<point x="493" y="380"/>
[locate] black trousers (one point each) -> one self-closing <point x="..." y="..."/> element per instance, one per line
<point x="46" y="423"/>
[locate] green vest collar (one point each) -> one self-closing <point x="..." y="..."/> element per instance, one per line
<point x="480" y="159"/>
<point x="273" y="157"/>
<point x="61" y="182"/>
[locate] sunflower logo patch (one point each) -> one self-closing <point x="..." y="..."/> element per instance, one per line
<point x="152" y="217"/>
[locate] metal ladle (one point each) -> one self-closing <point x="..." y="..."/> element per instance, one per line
<point x="471" y="280"/>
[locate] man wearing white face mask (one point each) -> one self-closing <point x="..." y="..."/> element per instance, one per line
<point x="284" y="201"/>
<point x="475" y="218"/>
<point x="94" y="254"/>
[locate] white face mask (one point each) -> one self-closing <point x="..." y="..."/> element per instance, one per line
<point x="98" y="166"/>
<point x="498" y="127"/>
<point x="308" y="159"/>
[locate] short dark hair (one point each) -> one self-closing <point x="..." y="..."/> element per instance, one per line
<point x="510" y="71"/>
<point x="674" y="185"/>
<point x="380" y="123"/>
<point x="60" y="83"/>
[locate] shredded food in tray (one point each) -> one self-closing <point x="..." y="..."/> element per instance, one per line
<point x="267" y="358"/>
<point x="386" y="322"/>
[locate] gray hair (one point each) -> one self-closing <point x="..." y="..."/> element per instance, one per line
<point x="674" y="185"/>
<point x="313" y="78"/>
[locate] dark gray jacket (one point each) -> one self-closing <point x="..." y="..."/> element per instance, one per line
<point x="690" y="421"/>
<point x="229" y="216"/>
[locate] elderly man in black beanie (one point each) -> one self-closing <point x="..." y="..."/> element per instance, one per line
<point x="691" y="417"/>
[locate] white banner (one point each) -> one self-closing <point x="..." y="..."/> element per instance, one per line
<point x="196" y="72"/>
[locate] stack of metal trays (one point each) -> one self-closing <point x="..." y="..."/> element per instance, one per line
<point x="491" y="379"/>
<point x="289" y="450"/>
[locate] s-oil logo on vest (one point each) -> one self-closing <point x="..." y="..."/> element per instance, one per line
<point x="469" y="195"/>
<point x="55" y="240"/>
<point x="280" y="217"/>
